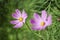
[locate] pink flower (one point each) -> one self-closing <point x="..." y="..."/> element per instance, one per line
<point x="20" y="18"/>
<point x="41" y="22"/>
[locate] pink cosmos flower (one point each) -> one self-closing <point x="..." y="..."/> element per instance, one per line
<point x="41" y="22"/>
<point x="20" y="18"/>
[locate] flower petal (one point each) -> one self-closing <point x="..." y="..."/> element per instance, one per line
<point x="32" y="21"/>
<point x="36" y="27"/>
<point x="44" y="15"/>
<point x="36" y="17"/>
<point x="14" y="15"/>
<point x="19" y="25"/>
<point x="49" y="20"/>
<point x="18" y="12"/>
<point x="24" y="15"/>
<point x="14" y="21"/>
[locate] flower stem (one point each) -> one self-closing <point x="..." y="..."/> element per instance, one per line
<point x="57" y="4"/>
<point x="17" y="35"/>
<point x="32" y="31"/>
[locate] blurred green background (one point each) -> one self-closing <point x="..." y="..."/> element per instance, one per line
<point x="7" y="7"/>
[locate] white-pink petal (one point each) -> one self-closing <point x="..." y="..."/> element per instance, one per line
<point x="49" y="20"/>
<point x="19" y="25"/>
<point x="44" y="15"/>
<point x="24" y="15"/>
<point x="14" y="21"/>
<point x="18" y="12"/>
<point x="36" y="17"/>
<point x="16" y="16"/>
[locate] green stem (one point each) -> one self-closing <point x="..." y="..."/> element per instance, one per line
<point x="48" y="7"/>
<point x="57" y="4"/>
<point x="32" y="31"/>
<point x="43" y="4"/>
<point x="17" y="35"/>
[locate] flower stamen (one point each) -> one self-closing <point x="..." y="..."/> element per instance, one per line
<point x="20" y="19"/>
<point x="42" y="23"/>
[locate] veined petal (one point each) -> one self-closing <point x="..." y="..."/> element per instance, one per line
<point x="14" y="21"/>
<point x="36" y="16"/>
<point x="36" y="27"/>
<point x="18" y="12"/>
<point x="19" y="25"/>
<point x="32" y="21"/>
<point x="49" y="20"/>
<point x="24" y="14"/>
<point x="44" y="15"/>
<point x="14" y="15"/>
<point x="24" y="20"/>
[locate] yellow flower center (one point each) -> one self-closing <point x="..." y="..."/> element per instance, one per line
<point x="42" y="23"/>
<point x="20" y="19"/>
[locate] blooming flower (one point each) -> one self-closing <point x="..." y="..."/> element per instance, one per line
<point x="20" y="18"/>
<point x="41" y="22"/>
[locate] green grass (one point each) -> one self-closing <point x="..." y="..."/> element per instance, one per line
<point x="7" y="7"/>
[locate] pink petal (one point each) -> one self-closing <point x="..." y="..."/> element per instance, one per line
<point x="18" y="12"/>
<point x="24" y="21"/>
<point x="49" y="20"/>
<point x="14" y="21"/>
<point x="36" y="17"/>
<point x="19" y="25"/>
<point x="24" y="15"/>
<point x="44" y="15"/>
<point x="14" y="15"/>
<point x="35" y="22"/>
<point x="32" y="21"/>
<point x="36" y="27"/>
